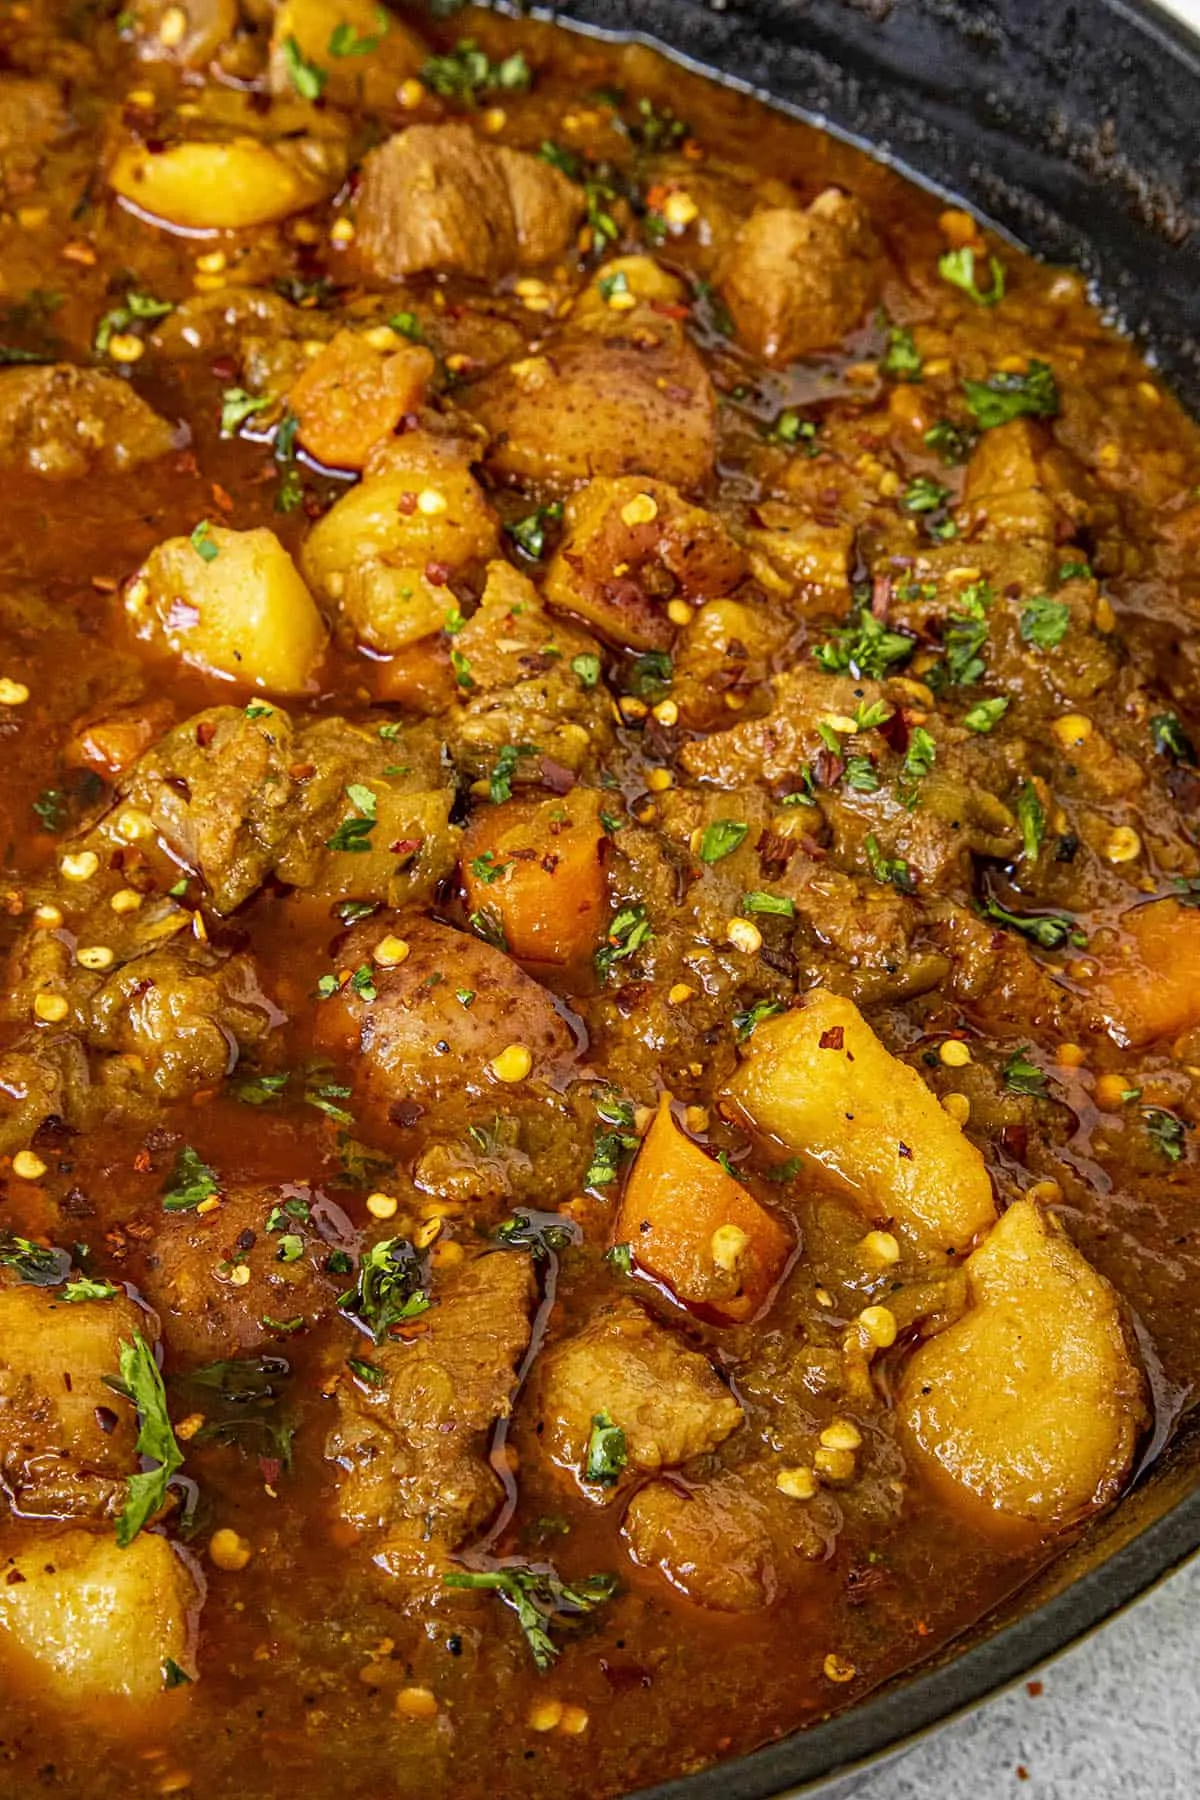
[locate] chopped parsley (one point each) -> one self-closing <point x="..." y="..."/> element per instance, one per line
<point x="38" y="1265"/>
<point x="606" y="1456"/>
<point x="952" y="444"/>
<point x="1021" y="1076"/>
<point x="344" y="40"/>
<point x="1005" y="396"/>
<point x="191" y="1181"/>
<point x="462" y="670"/>
<point x="138" y="308"/>
<point x="389" y="1289"/>
<point x="612" y="1143"/>
<point x="52" y="809"/>
<point x="860" y="775"/>
<point x="407" y="325"/>
<point x="237" y="406"/>
<point x="889" y="871"/>
<point x="1052" y="931"/>
<point x="656" y="128"/>
<point x="88" y="1287"/>
<point x="746" y="1023"/>
<point x="486" y="923"/>
<point x="354" y="833"/>
<point x="307" y="79"/>
<point x="1165" y="1130"/>
<point x="721" y="839"/>
<point x="587" y="666"/>
<point x="627" y="933"/>
<point x="1170" y="739"/>
<point x="290" y="493"/>
<point x="620" y="1257"/>
<point x="500" y="785"/>
<point x="1044" y="622"/>
<point x="1031" y="816"/>
<point x="467" y="72"/>
<point x="964" y="637"/>
<point x="865" y="648"/>
<point x="776" y="905"/>
<point x="202" y="542"/>
<point x="901" y="357"/>
<point x="919" y="759"/>
<point x="923" y="495"/>
<point x="539" y="1598"/>
<point x="529" y="533"/>
<point x="141" y="1383"/>
<point x="652" y="674"/>
<point x="985" y="715"/>
<point x="959" y="268"/>
<point x="485" y="868"/>
<point x="793" y="428"/>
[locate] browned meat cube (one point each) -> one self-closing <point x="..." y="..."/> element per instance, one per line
<point x="668" y="1400"/>
<point x="712" y="1542"/>
<point x="63" y="421"/>
<point x="412" y="1447"/>
<point x="436" y="197"/>
<point x="66" y="1441"/>
<point x="216" y="789"/>
<point x="208" y="1309"/>
<point x="439" y="1017"/>
<point x="799" y="281"/>
<point x="186" y="1010"/>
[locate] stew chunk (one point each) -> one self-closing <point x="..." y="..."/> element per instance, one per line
<point x="820" y="1081"/>
<point x="96" y="1621"/>
<point x="799" y="281"/>
<point x="626" y="1371"/>
<point x="1031" y="1402"/>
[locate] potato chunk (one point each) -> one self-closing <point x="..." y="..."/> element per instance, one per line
<point x="95" y="1621"/>
<point x="1031" y="1401"/>
<point x="1149" y="986"/>
<point x="418" y="514"/>
<point x="362" y="50"/>
<point x="231" y="602"/>
<point x="697" y="1228"/>
<point x="540" y="870"/>
<point x="207" y="185"/>
<point x="66" y="1442"/>
<point x="820" y="1081"/>
<point x="667" y="1400"/>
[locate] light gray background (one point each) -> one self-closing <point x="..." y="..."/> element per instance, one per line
<point x="1118" y="1717"/>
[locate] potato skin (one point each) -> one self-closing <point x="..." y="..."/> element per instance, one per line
<point x="95" y="1621"/>
<point x="244" y="612"/>
<point x="1031" y="1402"/>
<point x="820" y="1081"/>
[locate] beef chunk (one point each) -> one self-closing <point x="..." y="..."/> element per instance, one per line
<point x="525" y="688"/>
<point x="217" y="790"/>
<point x="417" y="1040"/>
<point x="799" y="281"/>
<point x="66" y="1441"/>
<point x="208" y="1310"/>
<point x="413" y="1448"/>
<point x="63" y="421"/>
<point x="186" y="1010"/>
<point x="712" y="1542"/>
<point x="436" y="197"/>
<point x="667" y="1400"/>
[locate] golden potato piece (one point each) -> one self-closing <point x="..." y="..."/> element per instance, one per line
<point x="820" y="1081"/>
<point x="351" y="397"/>
<point x="1031" y="1401"/>
<point x="96" y="1621"/>
<point x="419" y="511"/>
<point x="231" y="602"/>
<point x="227" y="184"/>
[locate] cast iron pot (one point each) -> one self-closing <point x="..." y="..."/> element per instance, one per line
<point x="1072" y="127"/>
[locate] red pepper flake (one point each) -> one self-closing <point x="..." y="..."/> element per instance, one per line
<point x="881" y="596"/>
<point x="407" y="503"/>
<point x="1035" y="1689"/>
<point x="142" y="1162"/>
<point x="437" y="574"/>
<point x="833" y="1039"/>
<point x="222" y="500"/>
<point x="905" y="1152"/>
<point x="406" y="846"/>
<point x="206" y="731"/>
<point x="224" y="368"/>
<point x="670" y="309"/>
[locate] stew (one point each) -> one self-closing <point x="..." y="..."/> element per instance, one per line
<point x="600" y="900"/>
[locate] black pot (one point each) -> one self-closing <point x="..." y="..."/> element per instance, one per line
<point x="1072" y="127"/>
